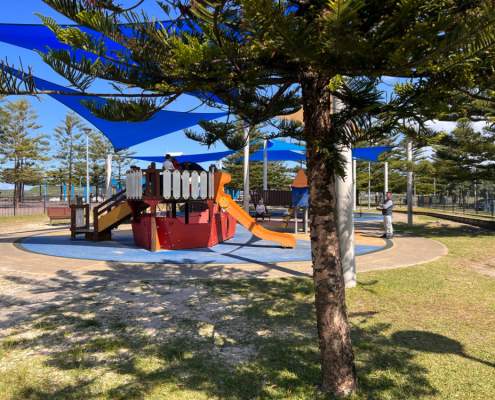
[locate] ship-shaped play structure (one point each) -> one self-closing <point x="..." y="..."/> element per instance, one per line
<point x="172" y="210"/>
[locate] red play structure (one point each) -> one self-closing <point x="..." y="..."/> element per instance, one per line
<point x="172" y="210"/>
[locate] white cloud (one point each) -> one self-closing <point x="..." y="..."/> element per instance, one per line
<point x="448" y="126"/>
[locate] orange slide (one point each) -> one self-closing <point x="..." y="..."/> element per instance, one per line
<point x="229" y="205"/>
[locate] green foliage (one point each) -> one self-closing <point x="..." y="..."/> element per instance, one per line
<point x="70" y="147"/>
<point x="121" y="161"/>
<point x="466" y="155"/>
<point x="279" y="176"/>
<point x="21" y="150"/>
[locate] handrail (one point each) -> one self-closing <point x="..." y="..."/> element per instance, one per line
<point x="111" y="199"/>
<point x="105" y="206"/>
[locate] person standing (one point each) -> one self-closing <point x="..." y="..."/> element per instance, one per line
<point x="387" y="209"/>
<point x="168" y="164"/>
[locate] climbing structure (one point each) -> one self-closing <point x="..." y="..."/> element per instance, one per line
<point x="172" y="210"/>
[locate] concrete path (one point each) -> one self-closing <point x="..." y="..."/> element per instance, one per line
<point x="403" y="251"/>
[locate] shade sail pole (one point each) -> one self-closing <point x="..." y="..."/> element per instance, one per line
<point x="345" y="214"/>
<point x="88" y="194"/>
<point x="354" y="184"/>
<point x="246" y="170"/>
<point x="369" y="185"/>
<point x="265" y="164"/>
<point x="409" y="183"/>
<point x="385" y="177"/>
<point x="108" y="177"/>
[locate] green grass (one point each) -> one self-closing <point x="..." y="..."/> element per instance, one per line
<point x="425" y="332"/>
<point x="12" y="220"/>
<point x="484" y="216"/>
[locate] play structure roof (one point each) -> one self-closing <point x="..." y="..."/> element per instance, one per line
<point x="124" y="134"/>
<point x="301" y="180"/>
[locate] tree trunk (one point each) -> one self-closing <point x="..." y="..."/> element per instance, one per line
<point x="337" y="358"/>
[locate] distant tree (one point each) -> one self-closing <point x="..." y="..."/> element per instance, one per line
<point x="465" y="156"/>
<point x="279" y="175"/>
<point x="99" y="148"/>
<point x="20" y="149"/>
<point x="70" y="148"/>
<point x="122" y="161"/>
<point x="56" y="177"/>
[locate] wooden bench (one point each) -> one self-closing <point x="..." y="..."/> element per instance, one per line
<point x="58" y="213"/>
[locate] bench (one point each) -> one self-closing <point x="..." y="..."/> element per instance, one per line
<point x="57" y="213"/>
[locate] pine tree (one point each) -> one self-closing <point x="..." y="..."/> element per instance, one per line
<point x="465" y="156"/>
<point x="122" y="160"/>
<point x="267" y="58"/>
<point x="70" y="148"/>
<point x="21" y="149"/>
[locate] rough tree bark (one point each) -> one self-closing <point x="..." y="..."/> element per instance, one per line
<point x="337" y="357"/>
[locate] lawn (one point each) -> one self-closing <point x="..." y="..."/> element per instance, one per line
<point x="22" y="219"/>
<point x="425" y="332"/>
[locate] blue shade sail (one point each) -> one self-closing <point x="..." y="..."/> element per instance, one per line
<point x="278" y="155"/>
<point x="37" y="37"/>
<point x="41" y="38"/>
<point x="124" y="134"/>
<point x="196" y="158"/>
<point x="360" y="153"/>
<point x="278" y="145"/>
<point x="369" y="153"/>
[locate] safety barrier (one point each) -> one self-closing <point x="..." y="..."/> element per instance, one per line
<point x="170" y="185"/>
<point x="134" y="184"/>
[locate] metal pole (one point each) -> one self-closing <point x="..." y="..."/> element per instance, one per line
<point x="265" y="164"/>
<point x="369" y="185"/>
<point x="354" y="184"/>
<point x="88" y="198"/>
<point x="108" y="177"/>
<point x="385" y="176"/>
<point x="246" y="170"/>
<point x="409" y="184"/>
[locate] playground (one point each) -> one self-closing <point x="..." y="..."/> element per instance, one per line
<point x="247" y="200"/>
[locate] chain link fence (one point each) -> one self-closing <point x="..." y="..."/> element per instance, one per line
<point x="483" y="206"/>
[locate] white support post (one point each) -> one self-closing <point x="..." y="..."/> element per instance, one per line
<point x="345" y="192"/>
<point x="265" y="164"/>
<point x="306" y="217"/>
<point x="409" y="183"/>
<point x="369" y="185"/>
<point x="88" y="198"/>
<point x="345" y="221"/>
<point x="354" y="184"/>
<point x="295" y="220"/>
<point x="108" y="177"/>
<point x="385" y="177"/>
<point x="246" y="171"/>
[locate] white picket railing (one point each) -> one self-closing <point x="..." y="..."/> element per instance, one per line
<point x="176" y="185"/>
<point x="134" y="185"/>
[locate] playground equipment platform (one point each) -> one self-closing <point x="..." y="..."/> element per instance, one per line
<point x="209" y="214"/>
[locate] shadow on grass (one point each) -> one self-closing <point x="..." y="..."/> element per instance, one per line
<point x="439" y="228"/>
<point x="201" y="339"/>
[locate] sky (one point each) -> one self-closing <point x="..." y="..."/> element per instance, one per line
<point x="51" y="113"/>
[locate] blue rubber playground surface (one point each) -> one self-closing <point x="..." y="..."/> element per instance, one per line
<point x="242" y="248"/>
